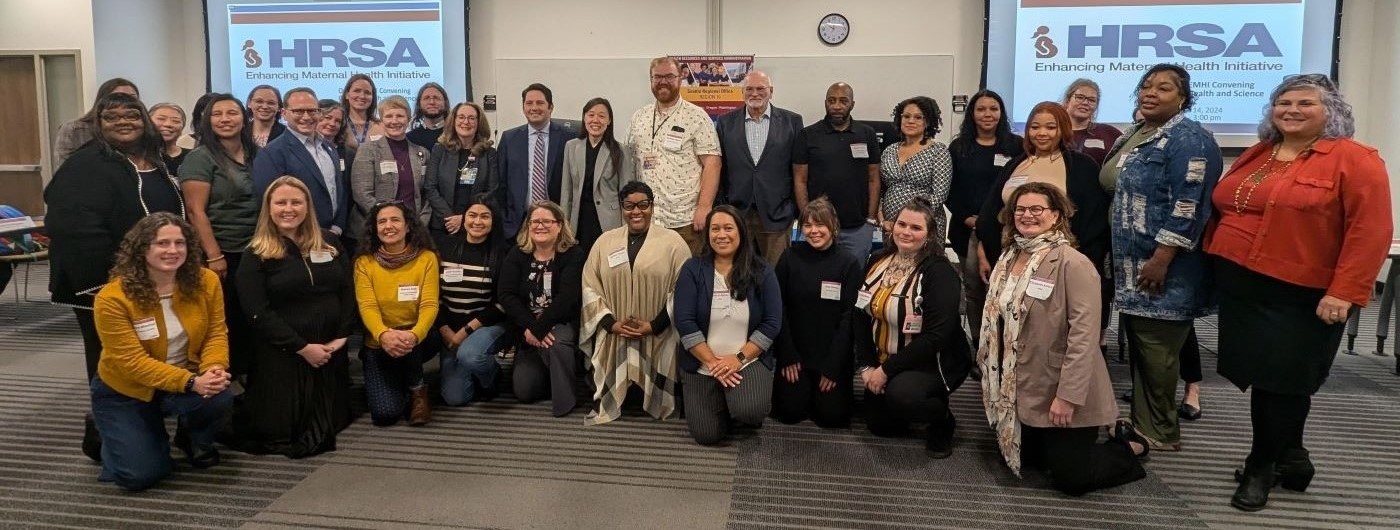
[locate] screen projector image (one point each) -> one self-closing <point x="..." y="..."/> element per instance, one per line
<point x="1235" y="50"/>
<point x="320" y="45"/>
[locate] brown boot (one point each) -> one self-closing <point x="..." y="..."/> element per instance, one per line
<point x="421" y="408"/>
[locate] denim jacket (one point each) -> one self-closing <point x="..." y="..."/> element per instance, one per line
<point x="1163" y="197"/>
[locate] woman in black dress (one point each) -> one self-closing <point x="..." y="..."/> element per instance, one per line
<point x="298" y="295"/>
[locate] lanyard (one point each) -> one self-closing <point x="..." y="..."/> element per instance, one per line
<point x="656" y="127"/>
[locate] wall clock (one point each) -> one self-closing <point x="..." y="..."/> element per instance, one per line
<point x="833" y="29"/>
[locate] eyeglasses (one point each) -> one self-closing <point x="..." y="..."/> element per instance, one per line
<point x="114" y="116"/>
<point x="1035" y="211"/>
<point x="1081" y="98"/>
<point x="667" y="78"/>
<point x="757" y="89"/>
<point x="631" y="206"/>
<point x="305" y="112"/>
<point x="542" y="223"/>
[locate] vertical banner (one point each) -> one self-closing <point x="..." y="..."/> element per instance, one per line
<point x="321" y="44"/>
<point x="712" y="81"/>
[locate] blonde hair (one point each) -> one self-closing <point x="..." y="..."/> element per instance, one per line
<point x="566" y="234"/>
<point x="267" y="240"/>
<point x="394" y="102"/>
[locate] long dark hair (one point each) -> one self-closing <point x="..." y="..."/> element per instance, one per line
<point x="614" y="150"/>
<point x="373" y="97"/>
<point x="210" y="141"/>
<point x="748" y="267"/>
<point x="967" y="132"/>
<point x="933" y="248"/>
<point x="150" y="145"/>
<point x="418" y="107"/>
<point x="495" y="239"/>
<point x="248" y="116"/>
<point x="417" y="236"/>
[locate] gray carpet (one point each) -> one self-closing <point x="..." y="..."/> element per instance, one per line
<point x="507" y="465"/>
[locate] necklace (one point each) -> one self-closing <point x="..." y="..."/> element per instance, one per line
<point x="1256" y="179"/>
<point x="898" y="269"/>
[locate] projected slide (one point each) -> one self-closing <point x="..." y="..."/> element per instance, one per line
<point x="320" y="45"/>
<point x="1236" y="51"/>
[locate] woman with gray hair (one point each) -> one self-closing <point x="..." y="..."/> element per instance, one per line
<point x="1301" y="227"/>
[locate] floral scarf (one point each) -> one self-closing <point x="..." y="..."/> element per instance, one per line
<point x="997" y="361"/>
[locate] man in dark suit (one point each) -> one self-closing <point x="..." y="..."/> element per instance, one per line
<point x="304" y="154"/>
<point x="531" y="157"/>
<point x="756" y="141"/>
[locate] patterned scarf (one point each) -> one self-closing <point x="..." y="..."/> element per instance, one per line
<point x="394" y="261"/>
<point x="997" y="361"/>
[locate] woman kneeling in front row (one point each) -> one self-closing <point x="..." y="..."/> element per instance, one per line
<point x="164" y="352"/>
<point x="1048" y="397"/>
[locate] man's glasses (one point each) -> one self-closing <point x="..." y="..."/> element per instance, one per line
<point x="305" y="112"/>
<point x="632" y="206"/>
<point x="667" y="78"/>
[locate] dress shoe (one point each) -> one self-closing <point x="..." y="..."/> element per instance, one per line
<point x="1295" y="470"/>
<point x="420" y="407"/>
<point x="1187" y="412"/>
<point x="940" y="438"/>
<point x="92" y="442"/>
<point x="1255" y="482"/>
<point x="199" y="457"/>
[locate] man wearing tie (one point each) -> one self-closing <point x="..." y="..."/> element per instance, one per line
<point x="756" y="143"/>
<point x="532" y="157"/>
<point x="304" y="154"/>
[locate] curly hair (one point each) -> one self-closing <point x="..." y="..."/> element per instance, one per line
<point x="933" y="119"/>
<point x="417" y="235"/>
<point x="1059" y="202"/>
<point x="1340" y="123"/>
<point x="130" y="267"/>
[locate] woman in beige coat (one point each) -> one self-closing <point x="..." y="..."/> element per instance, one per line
<point x="1045" y="386"/>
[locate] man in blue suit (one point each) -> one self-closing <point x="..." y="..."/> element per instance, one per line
<point x="531" y="157"/>
<point x="304" y="154"/>
<point x="756" y="141"/>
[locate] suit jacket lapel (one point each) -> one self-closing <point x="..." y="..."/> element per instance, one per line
<point x="773" y="130"/>
<point x="309" y="164"/>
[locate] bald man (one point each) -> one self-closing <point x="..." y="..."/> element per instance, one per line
<point x="756" y="144"/>
<point x="840" y="159"/>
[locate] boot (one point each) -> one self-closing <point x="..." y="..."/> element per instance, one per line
<point x="421" y="408"/>
<point x="940" y="437"/>
<point x="1255" y="483"/>
<point x="1295" y="470"/>
<point x="92" y="442"/>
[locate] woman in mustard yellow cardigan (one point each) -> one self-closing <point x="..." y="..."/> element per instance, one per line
<point x="164" y="352"/>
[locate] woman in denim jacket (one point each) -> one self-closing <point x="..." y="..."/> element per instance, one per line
<point x="1165" y="166"/>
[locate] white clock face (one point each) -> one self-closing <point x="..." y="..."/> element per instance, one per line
<point x="833" y="29"/>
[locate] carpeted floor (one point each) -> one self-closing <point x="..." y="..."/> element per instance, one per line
<point x="506" y="465"/>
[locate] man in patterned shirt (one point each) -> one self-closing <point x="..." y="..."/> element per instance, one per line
<point x="677" y="152"/>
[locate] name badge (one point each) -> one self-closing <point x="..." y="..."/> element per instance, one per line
<point x="1093" y="143"/>
<point x="1000" y="160"/>
<point x="388" y="166"/>
<point x="860" y="151"/>
<point x="863" y="299"/>
<point x="831" y="291"/>
<point x="342" y="164"/>
<point x="617" y="257"/>
<point x="913" y="324"/>
<point x="146" y="328"/>
<point x="549" y="283"/>
<point x="408" y="293"/>
<point x="719" y="300"/>
<point x="1123" y="159"/>
<point x="649" y="162"/>
<point x="321" y="256"/>
<point x="1039" y="288"/>
<point x="673" y="140"/>
<point x="1017" y="181"/>
<point x="451" y="275"/>
<point x="467" y="175"/>
<point x="374" y="137"/>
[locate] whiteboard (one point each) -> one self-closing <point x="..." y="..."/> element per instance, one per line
<point x="799" y="83"/>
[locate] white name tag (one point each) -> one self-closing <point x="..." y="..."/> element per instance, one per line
<point x="342" y="164"/>
<point x="860" y="151"/>
<point x="673" y="140"/>
<point x="831" y="291"/>
<point x="451" y="275"/>
<point x="617" y="257"/>
<point x="913" y="324"/>
<point x="388" y="166"/>
<point x="146" y="328"/>
<point x="1040" y="288"/>
<point x="321" y="256"/>
<point x="467" y="175"/>
<point x="1123" y="159"/>
<point x="1017" y="181"/>
<point x="408" y="293"/>
<point x="1000" y="160"/>
<point x="1093" y="143"/>
<point x="719" y="300"/>
<point x="549" y="283"/>
<point x="863" y="299"/>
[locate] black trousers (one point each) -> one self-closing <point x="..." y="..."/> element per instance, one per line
<point x="1077" y="463"/>
<point x="1191" y="358"/>
<point x="910" y="397"/>
<point x="92" y="343"/>
<point x="548" y="373"/>
<point x="1278" y="421"/>
<point x="794" y="402"/>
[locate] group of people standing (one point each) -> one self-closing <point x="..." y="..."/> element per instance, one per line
<point x="664" y="260"/>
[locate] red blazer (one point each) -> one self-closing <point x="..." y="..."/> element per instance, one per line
<point x="1328" y="227"/>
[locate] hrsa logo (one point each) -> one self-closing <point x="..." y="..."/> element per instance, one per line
<point x="1044" y="45"/>
<point x="364" y="52"/>
<point x="1196" y="41"/>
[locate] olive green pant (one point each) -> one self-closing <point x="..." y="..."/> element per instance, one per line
<point x="1154" y="347"/>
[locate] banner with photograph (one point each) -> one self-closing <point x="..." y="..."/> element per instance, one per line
<point x="713" y="81"/>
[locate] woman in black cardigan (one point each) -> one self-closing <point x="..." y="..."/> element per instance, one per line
<point x="910" y="347"/>
<point x="1049" y="157"/>
<point x="541" y="289"/>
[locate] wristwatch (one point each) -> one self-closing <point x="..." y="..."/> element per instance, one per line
<point x="189" y="384"/>
<point x="741" y="357"/>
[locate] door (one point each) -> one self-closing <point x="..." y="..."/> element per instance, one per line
<point x="21" y="154"/>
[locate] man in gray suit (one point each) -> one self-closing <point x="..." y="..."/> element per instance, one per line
<point x="756" y="141"/>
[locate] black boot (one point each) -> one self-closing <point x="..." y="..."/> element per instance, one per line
<point x="1255" y="483"/>
<point x="1295" y="470"/>
<point x="199" y="457"/>
<point x="92" y="442"/>
<point x="940" y="437"/>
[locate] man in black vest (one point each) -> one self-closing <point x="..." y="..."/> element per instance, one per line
<point x="756" y="142"/>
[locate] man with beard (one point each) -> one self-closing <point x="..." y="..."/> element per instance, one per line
<point x="756" y="175"/>
<point x="304" y="154"/>
<point x="429" y="115"/>
<point x="678" y="153"/>
<point x="531" y="157"/>
<point x="840" y="159"/>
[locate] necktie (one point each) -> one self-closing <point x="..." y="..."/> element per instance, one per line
<point x="539" y="184"/>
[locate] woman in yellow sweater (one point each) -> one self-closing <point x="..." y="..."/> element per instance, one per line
<point x="396" y="287"/>
<point x="164" y="352"/>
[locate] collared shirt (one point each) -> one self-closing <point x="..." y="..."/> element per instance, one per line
<point x="838" y="167"/>
<point x="669" y="145"/>
<point x="319" y="153"/>
<point x="756" y="131"/>
<point x="544" y="146"/>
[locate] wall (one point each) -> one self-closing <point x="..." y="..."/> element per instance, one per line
<point x="158" y="44"/>
<point x="52" y="25"/>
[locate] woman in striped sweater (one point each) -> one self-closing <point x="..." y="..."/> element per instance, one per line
<point x="470" y="322"/>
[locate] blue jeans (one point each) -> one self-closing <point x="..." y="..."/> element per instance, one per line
<point x="389" y="381"/>
<point x="135" y="445"/>
<point x="857" y="241"/>
<point x="474" y="365"/>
